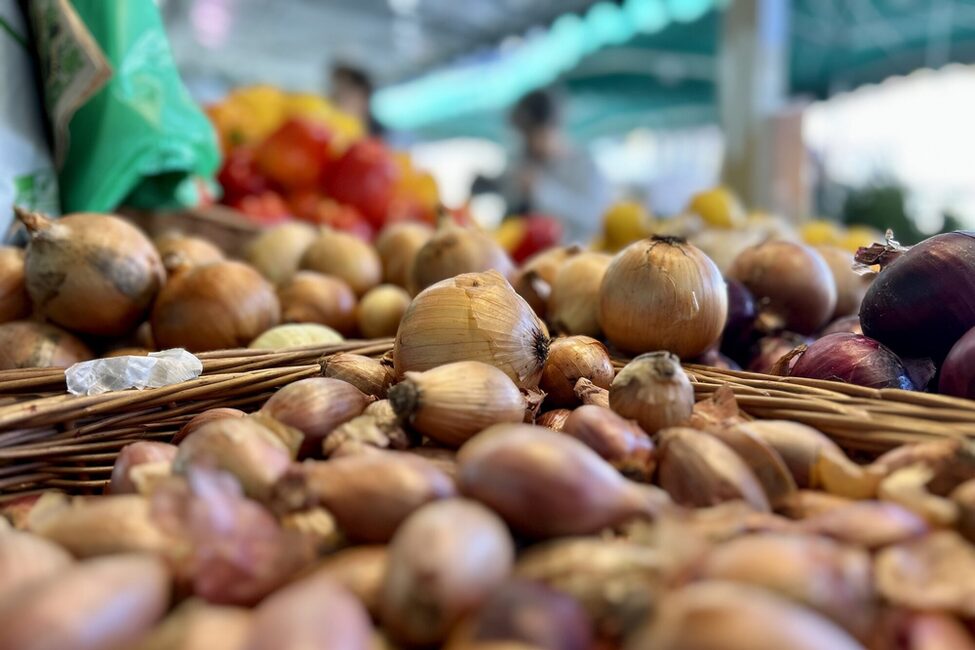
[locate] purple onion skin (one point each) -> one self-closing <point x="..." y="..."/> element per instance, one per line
<point x="852" y="359"/>
<point x="848" y="324"/>
<point x="739" y="333"/>
<point x="958" y="370"/>
<point x="924" y="301"/>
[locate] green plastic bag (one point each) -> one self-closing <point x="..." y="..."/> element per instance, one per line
<point x="125" y="128"/>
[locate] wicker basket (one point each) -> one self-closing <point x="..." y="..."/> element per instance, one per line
<point x="49" y="439"/>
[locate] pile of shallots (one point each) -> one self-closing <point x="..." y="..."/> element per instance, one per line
<point x="485" y="488"/>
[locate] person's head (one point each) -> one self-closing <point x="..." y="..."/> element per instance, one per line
<point x="351" y="90"/>
<point x="537" y="117"/>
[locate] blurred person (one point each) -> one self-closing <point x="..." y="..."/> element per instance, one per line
<point x="351" y="90"/>
<point x="550" y="175"/>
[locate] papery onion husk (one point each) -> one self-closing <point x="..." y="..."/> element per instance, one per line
<point x="570" y="359"/>
<point x="277" y="252"/>
<point x="573" y="305"/>
<point x="14" y="301"/>
<point x="108" y="602"/>
<point x="849" y="324"/>
<point x="852" y="359"/>
<point x="653" y="390"/>
<point x="924" y="300"/>
<point x="740" y="332"/>
<point x="454" y="250"/>
<point x="381" y="310"/>
<point x="472" y="317"/>
<point x="194" y="251"/>
<point x="958" y="370"/>
<point x="444" y="562"/>
<point x="547" y="484"/>
<point x="214" y="307"/>
<point x="91" y="273"/>
<point x="371" y="376"/>
<point x="453" y="402"/>
<point x="346" y="257"/>
<point x="28" y="344"/>
<point x="850" y="286"/>
<point x="397" y="245"/>
<point x="663" y="294"/>
<point x="792" y="283"/>
<point x="310" y="297"/>
<point x="591" y="394"/>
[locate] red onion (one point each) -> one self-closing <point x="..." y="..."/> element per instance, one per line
<point x="739" y="330"/>
<point x="853" y="359"/>
<point x="848" y="324"/>
<point x="958" y="371"/>
<point x="924" y="300"/>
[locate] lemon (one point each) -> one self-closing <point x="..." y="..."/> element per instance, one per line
<point x="625" y="222"/>
<point x="719" y="207"/>
<point x="820" y="231"/>
<point x="857" y="236"/>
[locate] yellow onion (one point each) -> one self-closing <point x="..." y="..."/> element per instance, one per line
<point x="27" y="559"/>
<point x="654" y="390"/>
<point x="453" y="402"/>
<point x="573" y="307"/>
<point x="397" y="245"/>
<point x="198" y="625"/>
<point x="850" y="287"/>
<point x="534" y="280"/>
<point x="315" y="407"/>
<point x="663" y="294"/>
<point x="194" y="251"/>
<point x="135" y="459"/>
<point x="126" y="352"/>
<point x="371" y="376"/>
<point x="200" y="419"/>
<point x="554" y="419"/>
<point x="444" y="562"/>
<point x="213" y="307"/>
<point x="346" y="257"/>
<point x="453" y="250"/>
<point x="310" y="297"/>
<point x="472" y="317"/>
<point x="589" y="393"/>
<point x="27" y="344"/>
<point x="107" y="602"/>
<point x="14" y="301"/>
<point x="791" y="283"/>
<point x="277" y="252"/>
<point x="91" y="273"/>
<point x="381" y="310"/>
<point x="295" y="335"/>
<point x="569" y="360"/>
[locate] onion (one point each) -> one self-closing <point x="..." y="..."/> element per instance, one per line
<point x="91" y="273"/>
<point x="853" y="359"/>
<point x="295" y="335"/>
<point x="133" y="461"/>
<point x="277" y="252"/>
<point x="848" y="324"/>
<point x="850" y="286"/>
<point x="200" y="419"/>
<point x="14" y="301"/>
<point x="554" y="419"/>
<point x="663" y="294"/>
<point x="772" y="348"/>
<point x="958" y="370"/>
<point x="213" y="307"/>
<point x="547" y="263"/>
<point x="27" y="559"/>
<point x="740" y="333"/>
<point x="622" y="443"/>
<point x="381" y="310"/>
<point x="310" y="297"/>
<point x="654" y="390"/>
<point x="360" y="570"/>
<point x="453" y="250"/>
<point x="573" y="306"/>
<point x="371" y="376"/>
<point x="194" y="251"/>
<point x="346" y="257"/>
<point x="397" y="245"/>
<point x="570" y="359"/>
<point x="792" y="283"/>
<point x="472" y="317"/>
<point x="534" y="280"/>
<point x="924" y="301"/>
<point x="26" y="344"/>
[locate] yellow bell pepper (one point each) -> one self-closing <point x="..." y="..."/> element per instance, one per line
<point x="625" y="222"/>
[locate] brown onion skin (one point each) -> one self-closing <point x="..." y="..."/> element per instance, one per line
<point x="346" y="257"/>
<point x="380" y="311"/>
<point x="397" y="245"/>
<point x="14" y="301"/>
<point x="852" y="359"/>
<point x="570" y="359"/>
<point x="91" y="273"/>
<point x="202" y="418"/>
<point x="133" y="455"/>
<point x="214" y="307"/>
<point x="27" y="559"/>
<point x="27" y="344"/>
<point x="554" y="419"/>
<point x="663" y="294"/>
<point x="924" y="301"/>
<point x="850" y="287"/>
<point x="621" y="442"/>
<point x="194" y="251"/>
<point x="958" y="370"/>
<point x="849" y="324"/>
<point x="453" y="250"/>
<point x="310" y="297"/>
<point x="277" y="251"/>
<point x="792" y="282"/>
